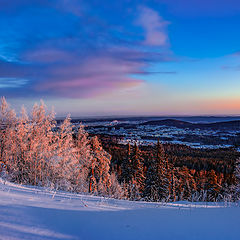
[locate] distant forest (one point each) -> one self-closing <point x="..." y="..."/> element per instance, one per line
<point x="205" y="174"/>
<point x="36" y="150"/>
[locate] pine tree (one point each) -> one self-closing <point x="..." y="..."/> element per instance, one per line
<point x="8" y="121"/>
<point x="126" y="166"/>
<point x="186" y="184"/>
<point x="212" y="186"/>
<point x="41" y="143"/>
<point x="20" y="151"/>
<point x="137" y="174"/>
<point x="115" y="189"/>
<point x="151" y="182"/>
<point x="158" y="176"/>
<point x="237" y="176"/>
<point x="65" y="159"/>
<point x="163" y="173"/>
<point x="84" y="158"/>
<point x="173" y="185"/>
<point x="99" y="176"/>
<point x="34" y="151"/>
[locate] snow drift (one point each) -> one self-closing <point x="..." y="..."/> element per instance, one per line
<point x="36" y="213"/>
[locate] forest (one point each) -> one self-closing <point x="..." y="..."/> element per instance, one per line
<point x="35" y="150"/>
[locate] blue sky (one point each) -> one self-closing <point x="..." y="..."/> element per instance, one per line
<point x="122" y="57"/>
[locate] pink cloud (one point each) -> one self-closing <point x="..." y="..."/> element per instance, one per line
<point x="96" y="75"/>
<point x="154" y="27"/>
<point x="57" y="72"/>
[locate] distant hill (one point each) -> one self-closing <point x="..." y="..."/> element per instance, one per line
<point x="170" y="122"/>
<point x="234" y="125"/>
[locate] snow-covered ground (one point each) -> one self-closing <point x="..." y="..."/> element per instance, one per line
<point x="35" y="213"/>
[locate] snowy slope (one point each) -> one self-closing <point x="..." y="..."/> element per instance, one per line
<point x="34" y="213"/>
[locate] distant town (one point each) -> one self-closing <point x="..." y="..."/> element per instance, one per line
<point x="209" y="132"/>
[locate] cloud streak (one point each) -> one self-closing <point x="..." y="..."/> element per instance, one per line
<point x="64" y="50"/>
<point x="12" y="82"/>
<point x="95" y="75"/>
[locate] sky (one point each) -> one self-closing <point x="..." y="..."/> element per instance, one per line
<point x="101" y="58"/>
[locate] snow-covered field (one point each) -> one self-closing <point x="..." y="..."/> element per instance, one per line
<point x="34" y="213"/>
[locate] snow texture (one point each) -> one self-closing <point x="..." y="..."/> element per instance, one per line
<point x="36" y="213"/>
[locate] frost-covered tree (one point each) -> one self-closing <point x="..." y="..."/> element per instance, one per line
<point x="185" y="183"/>
<point x="115" y="190"/>
<point x="64" y="161"/>
<point x="137" y="176"/>
<point x="158" y="178"/>
<point x="237" y="176"/>
<point x="35" y="151"/>
<point x="41" y="147"/>
<point x="8" y="121"/>
<point x="7" y="115"/>
<point x="212" y="186"/>
<point x="20" y="149"/>
<point x="84" y="158"/>
<point x="99" y="171"/>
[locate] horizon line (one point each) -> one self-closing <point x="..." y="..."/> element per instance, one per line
<point x="149" y="116"/>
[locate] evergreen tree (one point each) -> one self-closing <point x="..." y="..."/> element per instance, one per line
<point x="151" y="181"/>
<point x="35" y="151"/>
<point x="212" y="186"/>
<point x="186" y="184"/>
<point x="41" y="147"/>
<point x="20" y="149"/>
<point x="99" y="171"/>
<point x="65" y="161"/>
<point x="126" y="166"/>
<point x="84" y="158"/>
<point x="237" y="176"/>
<point x="137" y="173"/>
<point x="8" y="123"/>
<point x="158" y="176"/>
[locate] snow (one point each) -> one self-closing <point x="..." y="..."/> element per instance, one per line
<point x="36" y="213"/>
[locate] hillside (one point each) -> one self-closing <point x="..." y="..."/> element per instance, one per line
<point x="35" y="213"/>
<point x="183" y="124"/>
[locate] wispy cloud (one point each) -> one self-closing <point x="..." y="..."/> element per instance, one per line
<point x="63" y="49"/>
<point x="12" y="82"/>
<point x="95" y="75"/>
<point x="154" y="27"/>
<point x="233" y="59"/>
<point x="234" y="68"/>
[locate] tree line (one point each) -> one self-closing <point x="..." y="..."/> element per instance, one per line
<point x="172" y="172"/>
<point x="35" y="150"/>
